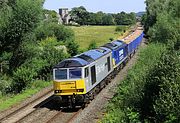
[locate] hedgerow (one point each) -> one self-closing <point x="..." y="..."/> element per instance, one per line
<point x="125" y="105"/>
<point x="151" y="91"/>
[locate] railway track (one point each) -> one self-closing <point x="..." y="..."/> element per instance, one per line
<point x="29" y="112"/>
<point x="21" y="114"/>
<point x="61" y="116"/>
<point x="27" y="109"/>
<point x="64" y="116"/>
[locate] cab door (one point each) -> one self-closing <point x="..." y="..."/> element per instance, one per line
<point x="87" y="78"/>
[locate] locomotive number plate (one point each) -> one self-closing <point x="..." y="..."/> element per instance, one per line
<point x="67" y="85"/>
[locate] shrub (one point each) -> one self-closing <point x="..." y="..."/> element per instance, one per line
<point x="111" y="39"/>
<point x="128" y="101"/>
<point x="92" y="45"/>
<point x="164" y="30"/>
<point x="40" y="66"/>
<point x="119" y="29"/>
<point x="167" y="75"/>
<point x="61" y="32"/>
<point x="72" y="47"/>
<point x="5" y="84"/>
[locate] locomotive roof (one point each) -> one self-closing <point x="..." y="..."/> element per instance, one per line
<point x="111" y="46"/>
<point x="96" y="53"/>
<point x="83" y="59"/>
<point x="114" y="45"/>
<point x="71" y="62"/>
<point x="118" y="42"/>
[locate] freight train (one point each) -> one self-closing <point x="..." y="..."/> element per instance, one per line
<point x="78" y="79"/>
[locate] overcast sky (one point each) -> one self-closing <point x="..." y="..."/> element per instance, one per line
<point x="107" y="6"/>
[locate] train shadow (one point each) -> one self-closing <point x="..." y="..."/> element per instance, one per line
<point x="51" y="104"/>
<point x="70" y="110"/>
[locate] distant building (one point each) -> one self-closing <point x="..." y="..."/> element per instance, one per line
<point x="64" y="16"/>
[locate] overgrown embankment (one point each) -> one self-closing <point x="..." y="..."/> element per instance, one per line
<point x="151" y="92"/>
<point x="130" y="91"/>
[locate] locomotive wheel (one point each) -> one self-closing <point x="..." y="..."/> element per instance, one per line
<point x="91" y="97"/>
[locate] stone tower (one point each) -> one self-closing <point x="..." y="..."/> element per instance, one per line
<point x="64" y="13"/>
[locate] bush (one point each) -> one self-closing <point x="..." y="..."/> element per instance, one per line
<point x="5" y="84"/>
<point x="111" y="39"/>
<point x="92" y="45"/>
<point x="61" y="32"/>
<point x="72" y="47"/>
<point x="22" y="78"/>
<point x="167" y="75"/>
<point x="128" y="101"/>
<point x="119" y="29"/>
<point x="40" y="66"/>
<point x="164" y="30"/>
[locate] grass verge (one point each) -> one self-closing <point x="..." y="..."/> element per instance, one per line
<point x="9" y="100"/>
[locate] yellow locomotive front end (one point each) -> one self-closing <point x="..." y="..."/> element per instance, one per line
<point x="69" y="82"/>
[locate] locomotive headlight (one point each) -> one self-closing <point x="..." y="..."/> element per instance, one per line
<point x="80" y="90"/>
<point x="57" y="91"/>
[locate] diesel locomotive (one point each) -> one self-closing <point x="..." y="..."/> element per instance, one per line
<point x="78" y="79"/>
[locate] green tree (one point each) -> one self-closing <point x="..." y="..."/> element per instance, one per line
<point x="107" y="19"/>
<point x="72" y="47"/>
<point x="125" y="18"/>
<point x="167" y="105"/>
<point x="80" y="15"/>
<point x="23" y="17"/>
<point x="50" y="16"/>
<point x="51" y="29"/>
<point x="98" y="17"/>
<point x="47" y="54"/>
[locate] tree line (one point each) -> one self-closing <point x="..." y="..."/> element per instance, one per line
<point x="81" y="16"/>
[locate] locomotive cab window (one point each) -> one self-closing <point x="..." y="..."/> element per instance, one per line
<point x="108" y="63"/>
<point x="93" y="74"/>
<point x="75" y="73"/>
<point x="86" y="72"/>
<point x="60" y="74"/>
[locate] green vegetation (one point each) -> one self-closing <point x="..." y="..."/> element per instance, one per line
<point x="125" y="19"/>
<point x="9" y="100"/>
<point x="31" y="43"/>
<point x="83" y="17"/>
<point x="130" y="91"/>
<point x="120" y="29"/>
<point x="100" y="34"/>
<point x="92" y="45"/>
<point x="50" y="15"/>
<point x="151" y="91"/>
<point x="30" y="46"/>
